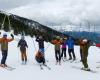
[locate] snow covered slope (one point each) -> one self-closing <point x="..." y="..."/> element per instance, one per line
<point x="32" y="71"/>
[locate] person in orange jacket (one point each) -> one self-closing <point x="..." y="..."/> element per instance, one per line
<point x="4" y="48"/>
<point x="57" y="42"/>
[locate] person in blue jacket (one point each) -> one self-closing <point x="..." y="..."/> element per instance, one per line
<point x="70" y="43"/>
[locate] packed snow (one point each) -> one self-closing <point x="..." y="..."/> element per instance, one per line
<point x="32" y="71"/>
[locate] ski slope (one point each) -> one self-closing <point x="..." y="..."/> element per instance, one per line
<point x="32" y="71"/>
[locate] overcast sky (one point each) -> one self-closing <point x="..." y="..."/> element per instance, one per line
<point x="55" y="12"/>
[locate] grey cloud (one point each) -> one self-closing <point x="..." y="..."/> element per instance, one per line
<point x="10" y="4"/>
<point x="60" y="12"/>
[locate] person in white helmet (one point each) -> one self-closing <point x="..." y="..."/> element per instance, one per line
<point x="85" y="44"/>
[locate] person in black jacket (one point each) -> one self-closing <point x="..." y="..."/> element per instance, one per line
<point x="23" y="44"/>
<point x="40" y="41"/>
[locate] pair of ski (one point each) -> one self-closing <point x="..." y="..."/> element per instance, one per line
<point x="9" y="68"/>
<point x="71" y="61"/>
<point x="44" y="65"/>
<point x="98" y="67"/>
<point x="75" y="61"/>
<point x="92" y="71"/>
<point x="64" y="60"/>
<point x="23" y="63"/>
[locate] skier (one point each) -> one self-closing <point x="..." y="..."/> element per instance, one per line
<point x="57" y="42"/>
<point x="40" y="41"/>
<point x="85" y="47"/>
<point x="70" y="42"/>
<point x="4" y="48"/>
<point x="40" y="57"/>
<point x="23" y="44"/>
<point x="41" y="60"/>
<point x="63" y="47"/>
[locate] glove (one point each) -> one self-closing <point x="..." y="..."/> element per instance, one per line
<point x="12" y="35"/>
<point x="27" y="46"/>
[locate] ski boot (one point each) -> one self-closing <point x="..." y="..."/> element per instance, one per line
<point x="59" y="62"/>
<point x="56" y="62"/>
<point x="70" y="59"/>
<point x="2" y="65"/>
<point x="5" y="65"/>
<point x="86" y="69"/>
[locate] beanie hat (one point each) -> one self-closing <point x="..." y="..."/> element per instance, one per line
<point x="57" y="37"/>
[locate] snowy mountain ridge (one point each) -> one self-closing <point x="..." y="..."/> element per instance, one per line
<point x="88" y="28"/>
<point x="22" y="25"/>
<point x="4" y="12"/>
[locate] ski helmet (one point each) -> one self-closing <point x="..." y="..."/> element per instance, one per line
<point x="85" y="40"/>
<point x="65" y="38"/>
<point x="57" y="37"/>
<point x="40" y="37"/>
<point x="4" y="35"/>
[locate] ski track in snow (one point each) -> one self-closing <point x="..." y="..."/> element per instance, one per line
<point x="32" y="71"/>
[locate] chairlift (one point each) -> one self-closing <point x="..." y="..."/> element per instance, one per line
<point x="9" y="23"/>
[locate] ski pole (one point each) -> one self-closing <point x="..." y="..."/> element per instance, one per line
<point x="27" y="54"/>
<point x="18" y="53"/>
<point x="47" y="47"/>
<point x="34" y="45"/>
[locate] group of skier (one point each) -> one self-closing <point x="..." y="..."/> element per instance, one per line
<point x="60" y="49"/>
<point x="61" y="46"/>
